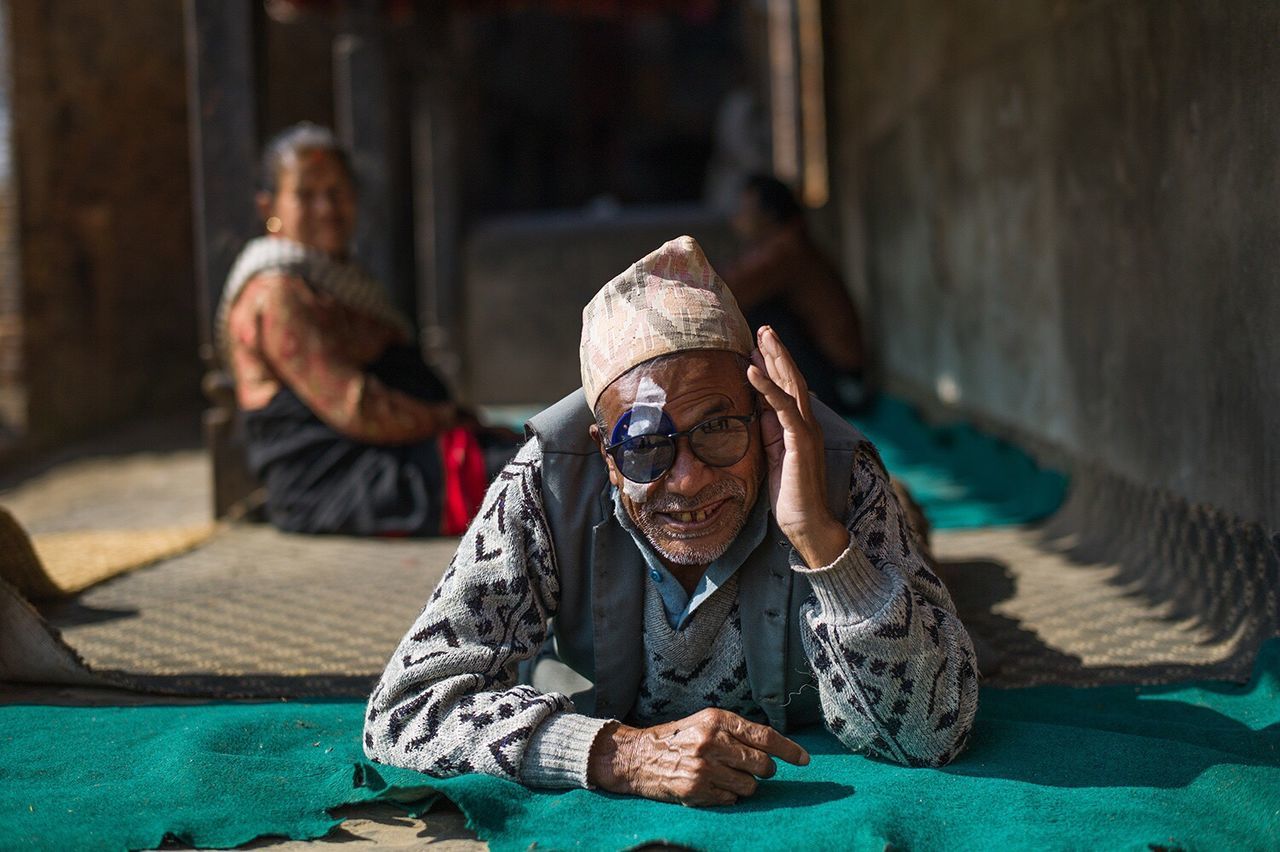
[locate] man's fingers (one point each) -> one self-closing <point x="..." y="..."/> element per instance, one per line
<point x="782" y="403"/>
<point x="782" y="368"/>
<point x="735" y="753"/>
<point x="769" y="741"/>
<point x="706" y="794"/>
<point x="756" y="762"/>
<point x="732" y="780"/>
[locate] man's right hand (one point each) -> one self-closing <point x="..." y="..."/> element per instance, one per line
<point x="710" y="758"/>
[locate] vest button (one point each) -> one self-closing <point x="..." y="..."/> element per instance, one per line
<point x="653" y="573"/>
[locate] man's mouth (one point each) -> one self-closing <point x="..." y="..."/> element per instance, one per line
<point x="695" y="520"/>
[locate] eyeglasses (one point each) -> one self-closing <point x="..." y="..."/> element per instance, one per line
<point x="719" y="442"/>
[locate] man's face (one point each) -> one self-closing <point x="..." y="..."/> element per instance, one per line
<point x="693" y="512"/>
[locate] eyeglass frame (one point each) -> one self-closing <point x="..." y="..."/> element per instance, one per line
<point x="673" y="437"/>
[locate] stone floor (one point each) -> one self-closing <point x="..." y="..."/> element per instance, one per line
<point x="444" y="829"/>
<point x="143" y="475"/>
<point x="255" y="600"/>
<point x="1054" y="620"/>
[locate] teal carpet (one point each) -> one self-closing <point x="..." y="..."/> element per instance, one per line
<point x="961" y="477"/>
<point x="208" y="774"/>
<point x="1193" y="766"/>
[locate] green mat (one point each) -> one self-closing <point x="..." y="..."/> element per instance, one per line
<point x="1192" y="767"/>
<point x="961" y="477"/>
<point x="206" y="774"/>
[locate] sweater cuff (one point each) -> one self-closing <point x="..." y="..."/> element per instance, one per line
<point x="557" y="753"/>
<point x="850" y="589"/>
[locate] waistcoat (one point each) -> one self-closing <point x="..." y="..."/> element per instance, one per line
<point x="597" y="627"/>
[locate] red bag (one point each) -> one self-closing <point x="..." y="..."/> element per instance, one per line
<point x="464" y="479"/>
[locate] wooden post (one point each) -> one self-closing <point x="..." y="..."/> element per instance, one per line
<point x="362" y="103"/>
<point x="798" y="99"/>
<point x="434" y="143"/>
<point x="221" y="106"/>
<point x="13" y="367"/>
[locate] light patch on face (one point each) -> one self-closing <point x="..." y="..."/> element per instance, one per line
<point x="646" y="415"/>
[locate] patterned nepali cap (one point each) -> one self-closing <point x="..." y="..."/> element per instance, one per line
<point x="668" y="301"/>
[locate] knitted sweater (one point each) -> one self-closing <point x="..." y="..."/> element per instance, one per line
<point x="697" y="666"/>
<point x="893" y="664"/>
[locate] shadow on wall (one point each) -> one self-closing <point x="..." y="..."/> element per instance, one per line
<point x="1198" y="561"/>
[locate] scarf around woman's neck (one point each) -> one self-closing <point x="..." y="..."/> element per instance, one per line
<point x="348" y="283"/>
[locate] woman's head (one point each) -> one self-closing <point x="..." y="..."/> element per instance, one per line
<point x="307" y="191"/>
<point x="765" y="204"/>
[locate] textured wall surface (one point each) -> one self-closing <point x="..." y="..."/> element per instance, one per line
<point x="1064" y="216"/>
<point x="104" y="212"/>
<point x="529" y="277"/>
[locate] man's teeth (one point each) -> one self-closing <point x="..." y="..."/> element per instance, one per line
<point x="691" y="517"/>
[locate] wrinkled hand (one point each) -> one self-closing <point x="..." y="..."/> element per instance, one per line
<point x="713" y="757"/>
<point x="795" y="454"/>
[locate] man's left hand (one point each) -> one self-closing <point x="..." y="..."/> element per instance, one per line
<point x="795" y="454"/>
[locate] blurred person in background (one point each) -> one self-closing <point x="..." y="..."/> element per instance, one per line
<point x="740" y="148"/>
<point x="347" y="427"/>
<point x="783" y="280"/>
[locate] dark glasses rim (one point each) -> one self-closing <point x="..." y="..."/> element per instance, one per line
<point x="673" y="437"/>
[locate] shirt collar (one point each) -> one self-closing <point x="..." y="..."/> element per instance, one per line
<point x="678" y="604"/>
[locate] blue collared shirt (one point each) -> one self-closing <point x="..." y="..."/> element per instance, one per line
<point x="680" y="605"/>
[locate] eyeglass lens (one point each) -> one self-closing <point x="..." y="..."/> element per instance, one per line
<point x="718" y="442"/>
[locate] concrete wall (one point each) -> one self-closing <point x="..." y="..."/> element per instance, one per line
<point x="1065" y="218"/>
<point x="529" y="277"/>
<point x="103" y="216"/>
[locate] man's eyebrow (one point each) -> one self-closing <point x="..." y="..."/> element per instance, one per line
<point x="722" y="405"/>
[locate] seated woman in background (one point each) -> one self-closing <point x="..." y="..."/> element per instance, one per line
<point x="346" y="426"/>
<point x="782" y="280"/>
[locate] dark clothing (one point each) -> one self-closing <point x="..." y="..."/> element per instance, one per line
<point x="320" y="481"/>
<point x="785" y="281"/>
<point x="843" y="390"/>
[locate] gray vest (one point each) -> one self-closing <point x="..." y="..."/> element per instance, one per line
<point x="597" y="628"/>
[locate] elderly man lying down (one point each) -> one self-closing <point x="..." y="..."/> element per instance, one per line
<point x="716" y="558"/>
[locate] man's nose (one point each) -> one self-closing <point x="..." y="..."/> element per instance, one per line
<point x="688" y="474"/>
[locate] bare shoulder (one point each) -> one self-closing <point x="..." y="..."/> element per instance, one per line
<point x="277" y="287"/>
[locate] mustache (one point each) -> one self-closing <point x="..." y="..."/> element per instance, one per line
<point x="712" y="493"/>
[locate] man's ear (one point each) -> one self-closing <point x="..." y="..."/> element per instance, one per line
<point x="594" y="430"/>
<point x="614" y="476"/>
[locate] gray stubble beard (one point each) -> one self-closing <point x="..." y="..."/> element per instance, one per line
<point x="658" y="536"/>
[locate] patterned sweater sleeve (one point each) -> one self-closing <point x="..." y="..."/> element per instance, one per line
<point x="448" y="702"/>
<point x="895" y="667"/>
